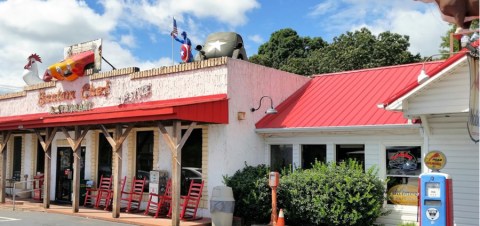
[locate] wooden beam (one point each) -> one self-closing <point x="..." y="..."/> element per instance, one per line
<point x="76" y="168"/>
<point x="109" y="138"/>
<point x="75" y="144"/>
<point x="3" y="160"/>
<point x="47" y="149"/>
<point x="49" y="135"/>
<point x="3" y="181"/>
<point x="187" y="135"/>
<point x="71" y="142"/>
<point x="116" y="142"/>
<point x="5" y="137"/>
<point x="167" y="138"/>
<point x="117" y="172"/>
<point x="176" y="172"/>
<point x="175" y="143"/>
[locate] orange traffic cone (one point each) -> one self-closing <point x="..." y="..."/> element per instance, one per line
<point x="280" y="220"/>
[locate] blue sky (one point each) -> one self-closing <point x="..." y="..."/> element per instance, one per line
<point x="136" y="32"/>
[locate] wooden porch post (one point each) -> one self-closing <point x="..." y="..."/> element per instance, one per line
<point x="76" y="146"/>
<point x="117" y="173"/>
<point x="47" y="148"/>
<point x="5" y="137"/>
<point x="175" y="144"/>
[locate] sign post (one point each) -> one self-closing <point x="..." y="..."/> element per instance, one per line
<point x="273" y="181"/>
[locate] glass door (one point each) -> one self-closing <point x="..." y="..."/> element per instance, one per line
<point x="64" y="182"/>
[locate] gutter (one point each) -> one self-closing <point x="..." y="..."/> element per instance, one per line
<point x="338" y="128"/>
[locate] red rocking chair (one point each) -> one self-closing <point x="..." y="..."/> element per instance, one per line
<point x="160" y="202"/>
<point x="92" y="193"/>
<point x="133" y="198"/>
<point x="110" y="194"/>
<point x="103" y="191"/>
<point x="189" y="203"/>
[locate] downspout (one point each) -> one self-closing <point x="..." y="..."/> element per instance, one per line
<point x="426" y="137"/>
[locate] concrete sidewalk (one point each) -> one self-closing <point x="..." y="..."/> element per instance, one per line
<point x="126" y="218"/>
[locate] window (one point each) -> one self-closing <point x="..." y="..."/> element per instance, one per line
<point x="104" y="157"/>
<point x="40" y="157"/>
<point x="280" y="156"/>
<point x="312" y="153"/>
<point x="403" y="164"/>
<point x="144" y="160"/>
<point x="351" y="151"/>
<point x="17" y="158"/>
<point x="191" y="160"/>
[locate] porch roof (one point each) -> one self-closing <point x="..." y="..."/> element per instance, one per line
<point x="202" y="109"/>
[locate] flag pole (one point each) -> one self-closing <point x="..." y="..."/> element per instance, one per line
<point x="171" y="37"/>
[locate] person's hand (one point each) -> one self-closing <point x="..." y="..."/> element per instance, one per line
<point x="172" y="34"/>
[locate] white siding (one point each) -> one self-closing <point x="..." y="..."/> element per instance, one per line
<point x="450" y="136"/>
<point x="449" y="94"/>
<point x="375" y="142"/>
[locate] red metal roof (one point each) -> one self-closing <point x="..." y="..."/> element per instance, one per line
<point x="345" y="99"/>
<point x="209" y="109"/>
<point x="431" y="72"/>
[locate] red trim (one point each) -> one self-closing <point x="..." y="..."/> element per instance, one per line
<point x="209" y="109"/>
<point x="431" y="73"/>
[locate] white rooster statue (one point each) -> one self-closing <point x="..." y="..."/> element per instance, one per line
<point x="30" y="74"/>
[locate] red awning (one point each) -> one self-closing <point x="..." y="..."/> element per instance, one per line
<point x="207" y="109"/>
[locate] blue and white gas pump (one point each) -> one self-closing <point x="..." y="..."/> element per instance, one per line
<point x="436" y="194"/>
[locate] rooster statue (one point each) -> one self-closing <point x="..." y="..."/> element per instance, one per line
<point x="30" y="74"/>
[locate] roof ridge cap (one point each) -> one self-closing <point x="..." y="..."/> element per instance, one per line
<point x="377" y="68"/>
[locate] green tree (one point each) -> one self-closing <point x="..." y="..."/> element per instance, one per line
<point x="283" y="45"/>
<point x="361" y="49"/>
<point x="354" y="50"/>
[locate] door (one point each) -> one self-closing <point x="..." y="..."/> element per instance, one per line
<point x="64" y="182"/>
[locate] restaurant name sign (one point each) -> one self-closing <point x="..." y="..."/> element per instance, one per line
<point x="70" y="108"/>
<point x="88" y="91"/>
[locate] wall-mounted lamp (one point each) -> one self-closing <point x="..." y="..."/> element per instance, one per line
<point x="271" y="110"/>
<point x="423" y="76"/>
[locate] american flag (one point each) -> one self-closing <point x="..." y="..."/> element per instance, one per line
<point x="174" y="31"/>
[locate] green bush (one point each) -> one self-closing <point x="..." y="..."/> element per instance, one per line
<point x="253" y="201"/>
<point x="332" y="194"/>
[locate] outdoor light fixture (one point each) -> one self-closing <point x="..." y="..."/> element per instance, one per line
<point x="271" y="110"/>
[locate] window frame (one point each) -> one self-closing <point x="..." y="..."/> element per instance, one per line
<point x="384" y="168"/>
<point x="280" y="144"/>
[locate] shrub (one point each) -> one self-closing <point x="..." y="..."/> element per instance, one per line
<point x="332" y="194"/>
<point x="253" y="200"/>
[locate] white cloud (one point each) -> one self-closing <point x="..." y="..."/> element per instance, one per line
<point x="128" y="40"/>
<point x="421" y="22"/>
<point x="425" y="29"/>
<point x="45" y="28"/>
<point x="256" y="39"/>
<point x="120" y="58"/>
<point x="323" y="8"/>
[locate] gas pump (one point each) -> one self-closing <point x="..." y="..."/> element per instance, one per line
<point x="436" y="194"/>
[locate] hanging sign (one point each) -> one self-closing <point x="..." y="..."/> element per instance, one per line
<point x="435" y="160"/>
